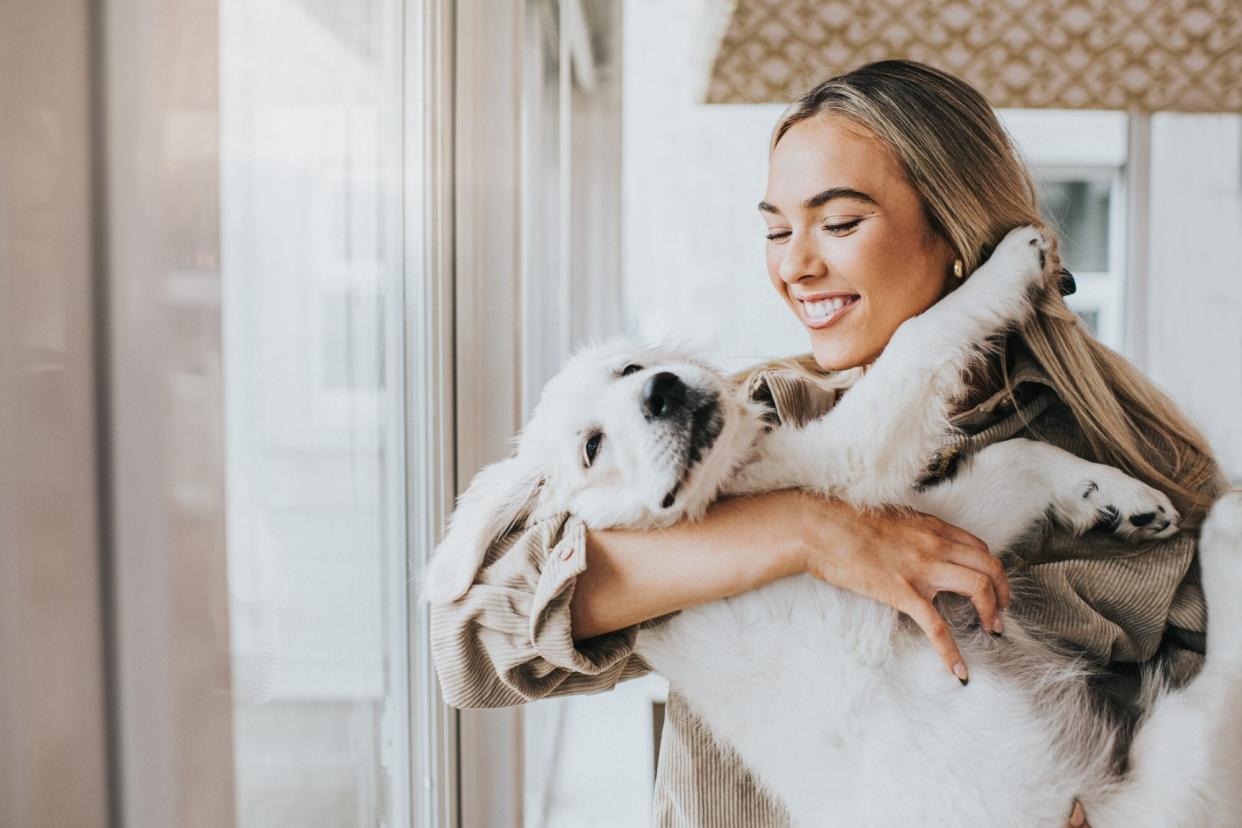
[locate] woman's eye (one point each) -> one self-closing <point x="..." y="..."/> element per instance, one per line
<point x="777" y="235"/>
<point x="844" y="227"/>
<point x="631" y="369"/>
<point x="591" y="449"/>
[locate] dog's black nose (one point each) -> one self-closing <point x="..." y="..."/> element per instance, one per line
<point x="663" y="394"/>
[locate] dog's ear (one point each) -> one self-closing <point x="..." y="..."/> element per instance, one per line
<point x="500" y="497"/>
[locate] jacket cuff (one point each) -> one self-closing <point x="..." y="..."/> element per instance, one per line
<point x="550" y="624"/>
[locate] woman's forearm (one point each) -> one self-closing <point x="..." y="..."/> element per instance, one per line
<point x="897" y="557"/>
<point x="634" y="575"/>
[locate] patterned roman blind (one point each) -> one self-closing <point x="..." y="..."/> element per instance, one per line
<point x="1144" y="55"/>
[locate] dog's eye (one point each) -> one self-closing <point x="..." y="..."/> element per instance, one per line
<point x="591" y="449"/>
<point x="630" y="369"/>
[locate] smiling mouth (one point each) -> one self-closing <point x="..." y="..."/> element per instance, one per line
<point x="825" y="312"/>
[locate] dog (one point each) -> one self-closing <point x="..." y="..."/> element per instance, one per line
<point x="864" y="726"/>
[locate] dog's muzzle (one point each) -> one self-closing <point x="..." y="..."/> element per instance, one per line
<point x="693" y="411"/>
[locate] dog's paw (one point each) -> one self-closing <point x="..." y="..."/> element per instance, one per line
<point x="1109" y="500"/>
<point x="1020" y="261"/>
<point x="1000" y="293"/>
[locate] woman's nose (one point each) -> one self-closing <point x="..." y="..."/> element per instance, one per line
<point x="801" y="259"/>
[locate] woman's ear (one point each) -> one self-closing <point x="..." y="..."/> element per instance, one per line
<point x="500" y="497"/>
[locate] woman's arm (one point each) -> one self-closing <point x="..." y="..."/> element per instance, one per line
<point x="507" y="641"/>
<point x="902" y="559"/>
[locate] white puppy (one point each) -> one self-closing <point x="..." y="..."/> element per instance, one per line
<point x="840" y="707"/>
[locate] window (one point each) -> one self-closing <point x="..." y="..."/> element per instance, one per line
<point x="1080" y="161"/>
<point x="312" y="267"/>
<point x="1082" y="205"/>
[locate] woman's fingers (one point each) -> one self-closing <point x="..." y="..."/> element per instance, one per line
<point x="950" y="577"/>
<point x="937" y="631"/>
<point x="957" y="534"/>
<point x="970" y="551"/>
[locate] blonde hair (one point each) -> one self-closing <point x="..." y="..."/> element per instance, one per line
<point x="975" y="188"/>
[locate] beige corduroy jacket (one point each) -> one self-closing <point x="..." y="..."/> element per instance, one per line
<point x="508" y="639"/>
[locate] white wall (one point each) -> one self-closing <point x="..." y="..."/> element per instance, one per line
<point x="1194" y="306"/>
<point x="692" y="175"/>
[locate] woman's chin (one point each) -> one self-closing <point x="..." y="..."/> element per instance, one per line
<point x="837" y="356"/>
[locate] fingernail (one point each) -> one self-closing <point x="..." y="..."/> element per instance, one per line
<point x="959" y="670"/>
<point x="999" y="626"/>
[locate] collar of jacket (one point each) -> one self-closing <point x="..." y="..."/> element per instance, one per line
<point x="1030" y="382"/>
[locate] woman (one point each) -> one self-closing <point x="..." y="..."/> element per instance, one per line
<point x="887" y="186"/>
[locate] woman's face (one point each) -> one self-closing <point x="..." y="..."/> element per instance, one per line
<point x="846" y="229"/>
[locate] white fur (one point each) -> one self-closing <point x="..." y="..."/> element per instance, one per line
<point x="842" y="710"/>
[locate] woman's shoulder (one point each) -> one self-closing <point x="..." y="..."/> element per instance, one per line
<point x="1028" y="406"/>
<point x="795" y="392"/>
<point x="1009" y="380"/>
<point x="793" y="389"/>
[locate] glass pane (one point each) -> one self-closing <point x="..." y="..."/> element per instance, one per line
<point x="1079" y="210"/>
<point x="310" y="105"/>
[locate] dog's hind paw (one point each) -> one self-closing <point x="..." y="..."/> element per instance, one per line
<point x="1109" y="500"/>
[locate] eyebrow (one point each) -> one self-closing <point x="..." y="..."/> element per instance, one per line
<point x="820" y="199"/>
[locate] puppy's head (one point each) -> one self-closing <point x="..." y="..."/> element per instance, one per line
<point x="623" y="436"/>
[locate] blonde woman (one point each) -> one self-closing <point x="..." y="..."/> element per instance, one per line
<point x="887" y="187"/>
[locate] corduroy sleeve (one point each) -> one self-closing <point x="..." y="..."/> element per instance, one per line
<point x="508" y="640"/>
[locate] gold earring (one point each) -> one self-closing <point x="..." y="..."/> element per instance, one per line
<point x="959" y="269"/>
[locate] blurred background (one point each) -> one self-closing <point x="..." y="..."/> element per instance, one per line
<point x="278" y="276"/>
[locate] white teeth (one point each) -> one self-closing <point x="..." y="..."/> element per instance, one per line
<point x="824" y="309"/>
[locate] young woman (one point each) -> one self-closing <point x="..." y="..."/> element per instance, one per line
<point x="887" y="186"/>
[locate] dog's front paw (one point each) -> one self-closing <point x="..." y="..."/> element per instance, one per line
<point x="1020" y="261"/>
<point x="1000" y="293"/>
<point x="1110" y="500"/>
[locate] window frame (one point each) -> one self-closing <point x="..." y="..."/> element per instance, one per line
<point x="428" y="354"/>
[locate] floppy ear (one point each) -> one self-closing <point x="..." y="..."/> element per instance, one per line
<point x="500" y="497"/>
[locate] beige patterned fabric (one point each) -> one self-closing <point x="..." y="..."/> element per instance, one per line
<point x="1145" y="55"/>
<point x="508" y="640"/>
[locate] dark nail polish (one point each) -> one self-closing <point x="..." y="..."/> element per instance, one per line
<point x="964" y="681"/>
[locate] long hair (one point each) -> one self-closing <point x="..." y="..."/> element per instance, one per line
<point x="974" y="189"/>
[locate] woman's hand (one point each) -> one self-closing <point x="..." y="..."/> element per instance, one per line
<point x="902" y="559"/>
